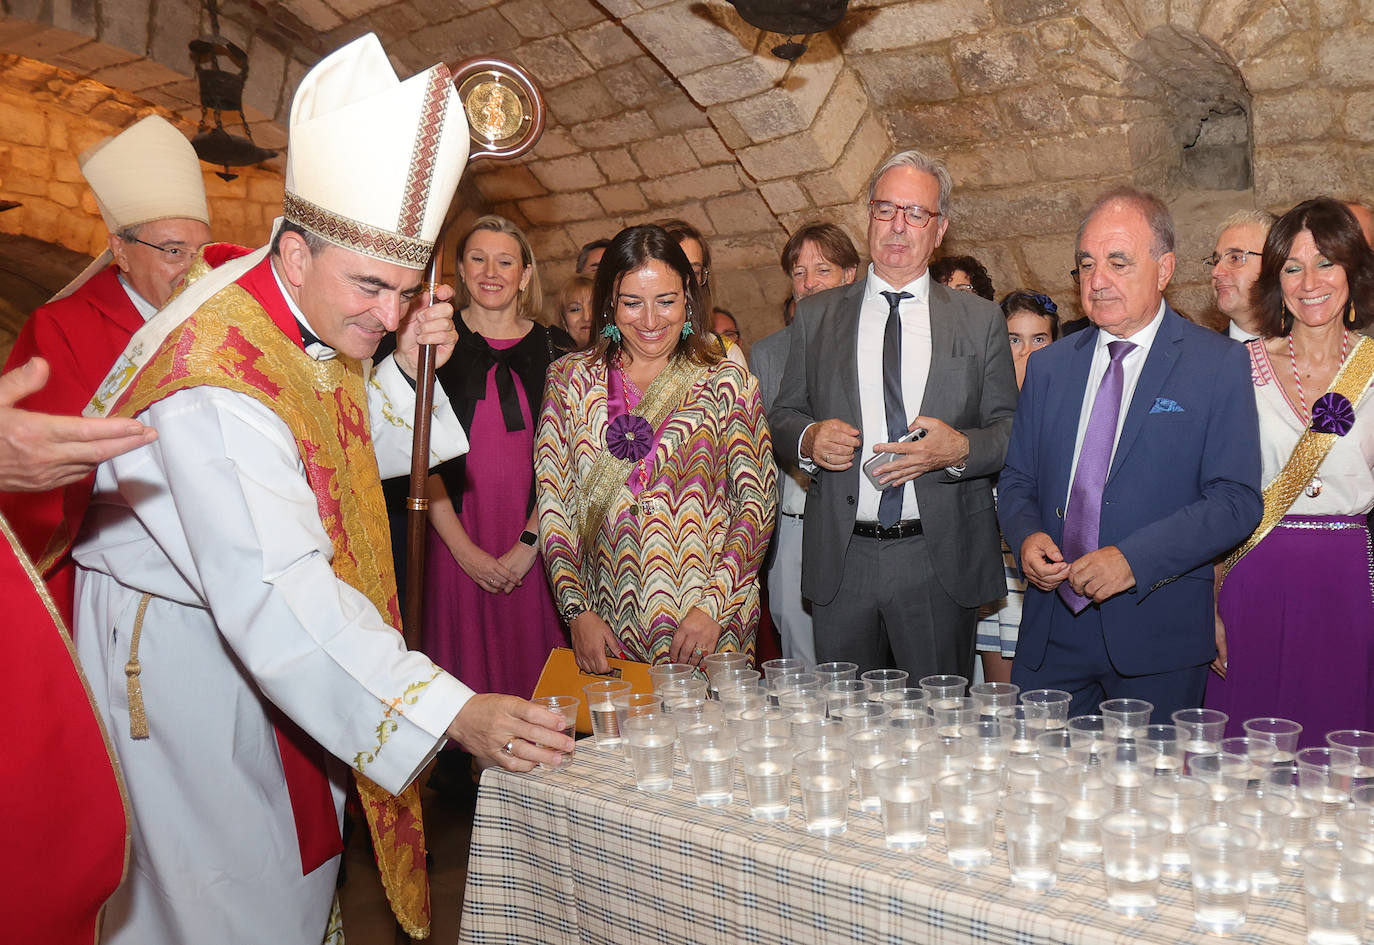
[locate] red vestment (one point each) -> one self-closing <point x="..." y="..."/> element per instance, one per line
<point x="66" y="826"/>
<point x="80" y="337"/>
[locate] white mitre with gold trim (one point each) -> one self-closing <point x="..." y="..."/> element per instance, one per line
<point x="372" y="165"/>
<point x="373" y="161"/>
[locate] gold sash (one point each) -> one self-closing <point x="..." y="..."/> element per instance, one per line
<point x="608" y="474"/>
<point x="1351" y="382"/>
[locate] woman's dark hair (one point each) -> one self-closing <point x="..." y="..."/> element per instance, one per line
<point x="1037" y="303"/>
<point x="1339" y="238"/>
<point x="632" y="249"/>
<point x="942" y="270"/>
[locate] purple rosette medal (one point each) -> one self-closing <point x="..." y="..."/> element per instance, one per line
<point x="1333" y="413"/>
<point x="629" y="437"/>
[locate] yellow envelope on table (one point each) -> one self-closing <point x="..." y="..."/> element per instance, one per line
<point x="561" y="677"/>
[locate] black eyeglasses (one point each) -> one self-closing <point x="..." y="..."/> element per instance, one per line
<point x="1234" y="258"/>
<point x="915" y="214"/>
<point x="176" y="252"/>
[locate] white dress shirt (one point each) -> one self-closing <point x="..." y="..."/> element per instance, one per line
<point x="1131" y="366"/>
<point x="915" y="316"/>
<point x="146" y="309"/>
<point x="1239" y="334"/>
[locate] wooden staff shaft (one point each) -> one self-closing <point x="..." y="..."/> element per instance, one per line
<point x="417" y="503"/>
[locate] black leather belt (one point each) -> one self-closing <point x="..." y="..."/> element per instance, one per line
<point x="906" y="529"/>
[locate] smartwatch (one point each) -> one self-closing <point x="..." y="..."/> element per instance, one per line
<point x="527" y="537"/>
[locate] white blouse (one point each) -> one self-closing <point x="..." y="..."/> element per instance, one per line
<point x="1347" y="472"/>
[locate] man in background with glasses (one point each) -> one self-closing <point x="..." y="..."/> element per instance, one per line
<point x="147" y="182"/>
<point x="897" y="557"/>
<point x="1235" y="267"/>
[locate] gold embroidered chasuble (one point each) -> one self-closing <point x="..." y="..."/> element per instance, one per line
<point x="231" y="342"/>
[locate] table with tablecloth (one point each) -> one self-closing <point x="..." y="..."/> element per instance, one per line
<point x="578" y="855"/>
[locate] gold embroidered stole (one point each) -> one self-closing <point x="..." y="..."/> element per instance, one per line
<point x="608" y="474"/>
<point x="232" y="343"/>
<point x="1351" y="382"/>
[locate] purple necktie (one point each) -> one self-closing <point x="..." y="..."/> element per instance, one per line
<point x="1083" y="518"/>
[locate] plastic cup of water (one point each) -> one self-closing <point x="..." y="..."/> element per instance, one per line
<point x="1132" y="858"/>
<point x="1184" y="802"/>
<point x="650" y="739"/>
<point x="992" y="696"/>
<point x="836" y="669"/>
<point x="1220" y="860"/>
<point x="1325" y="777"/>
<point x="1131" y="714"/>
<point x="1205" y="728"/>
<point x="824" y="775"/>
<point x="968" y="800"/>
<point x="767" y="766"/>
<point x="904" y="788"/>
<point x="882" y="680"/>
<point x="1267" y="816"/>
<point x="566" y="706"/>
<point x="600" y="697"/>
<point x="1337" y="896"/>
<point x="1051" y="706"/>
<point x="1034" y="823"/>
<point x="710" y="752"/>
<point x="943" y="686"/>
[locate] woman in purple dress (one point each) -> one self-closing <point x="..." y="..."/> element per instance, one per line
<point x="489" y="616"/>
<point x="1296" y="605"/>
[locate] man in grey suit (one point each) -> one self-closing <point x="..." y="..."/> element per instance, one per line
<point x="818" y="256"/>
<point x="896" y="571"/>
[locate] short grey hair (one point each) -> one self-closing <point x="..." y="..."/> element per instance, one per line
<point x="129" y="233"/>
<point x="1154" y="210"/>
<point x="1260" y="218"/>
<point x="922" y="162"/>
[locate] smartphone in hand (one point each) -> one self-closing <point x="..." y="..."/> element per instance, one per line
<point x="882" y="459"/>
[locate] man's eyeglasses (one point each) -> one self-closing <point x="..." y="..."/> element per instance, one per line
<point x="915" y="215"/>
<point x="1233" y="258"/>
<point x="175" y="252"/>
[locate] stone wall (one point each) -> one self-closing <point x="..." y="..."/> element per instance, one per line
<point x="675" y="108"/>
<point x="48" y="116"/>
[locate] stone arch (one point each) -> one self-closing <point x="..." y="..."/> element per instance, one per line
<point x="1199" y="135"/>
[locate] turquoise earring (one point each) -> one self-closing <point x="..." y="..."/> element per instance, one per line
<point x="687" y="329"/>
<point x="611" y="331"/>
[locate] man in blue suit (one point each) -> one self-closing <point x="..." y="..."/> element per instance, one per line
<point x="1133" y="464"/>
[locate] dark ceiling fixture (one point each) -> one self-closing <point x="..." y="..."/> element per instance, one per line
<point x="222" y="68"/>
<point x="793" y="19"/>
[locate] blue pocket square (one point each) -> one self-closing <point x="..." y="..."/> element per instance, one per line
<point x="1165" y="405"/>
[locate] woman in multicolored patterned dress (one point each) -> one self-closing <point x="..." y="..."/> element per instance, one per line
<point x="655" y="471"/>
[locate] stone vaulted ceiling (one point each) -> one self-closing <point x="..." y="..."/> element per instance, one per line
<point x="676" y="109"/>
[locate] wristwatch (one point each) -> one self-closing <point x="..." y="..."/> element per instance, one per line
<point x="570" y="612"/>
<point x="527" y="537"/>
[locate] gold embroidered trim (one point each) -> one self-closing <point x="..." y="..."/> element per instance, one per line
<point x="1351" y="382"/>
<point x="426" y="152"/>
<point x="356" y="236"/>
<point x="138" y="715"/>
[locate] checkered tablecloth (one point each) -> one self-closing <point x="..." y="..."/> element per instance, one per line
<point x="578" y="855"/>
